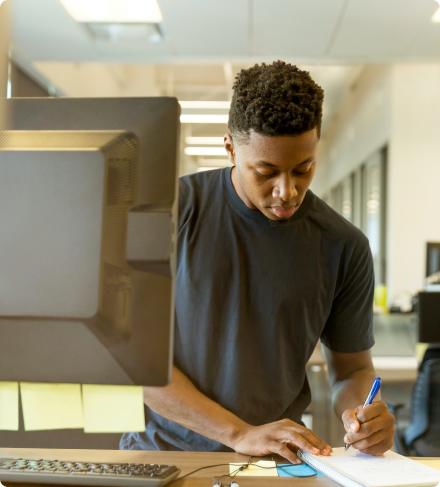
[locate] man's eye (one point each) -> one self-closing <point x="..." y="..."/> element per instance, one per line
<point x="303" y="170"/>
<point x="265" y="174"/>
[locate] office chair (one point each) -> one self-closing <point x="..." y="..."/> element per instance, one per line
<point x="422" y="435"/>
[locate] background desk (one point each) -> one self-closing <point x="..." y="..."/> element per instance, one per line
<point x="186" y="461"/>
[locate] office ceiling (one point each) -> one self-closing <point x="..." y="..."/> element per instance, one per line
<point x="206" y="42"/>
<point x="307" y="31"/>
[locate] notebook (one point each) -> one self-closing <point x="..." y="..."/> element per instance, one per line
<point x="354" y="469"/>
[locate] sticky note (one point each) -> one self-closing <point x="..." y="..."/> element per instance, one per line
<point x="9" y="406"/>
<point x="261" y="468"/>
<point x="113" y="409"/>
<point x="51" y="406"/>
<point x="302" y="470"/>
<point x="420" y="351"/>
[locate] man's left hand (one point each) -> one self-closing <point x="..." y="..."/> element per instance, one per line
<point x="369" y="429"/>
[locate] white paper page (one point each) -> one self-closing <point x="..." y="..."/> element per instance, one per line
<point x="390" y="470"/>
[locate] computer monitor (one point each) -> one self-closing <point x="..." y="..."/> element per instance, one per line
<point x="429" y="316"/>
<point x="87" y="240"/>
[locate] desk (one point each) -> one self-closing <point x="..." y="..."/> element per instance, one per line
<point x="186" y="461"/>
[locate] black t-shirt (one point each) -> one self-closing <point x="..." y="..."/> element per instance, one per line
<point x="253" y="297"/>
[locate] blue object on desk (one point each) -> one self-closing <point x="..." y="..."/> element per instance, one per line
<point x="302" y="470"/>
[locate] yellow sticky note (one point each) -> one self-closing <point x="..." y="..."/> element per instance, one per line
<point x="262" y="468"/>
<point x="113" y="409"/>
<point x="51" y="406"/>
<point x="9" y="406"/>
<point x="420" y="351"/>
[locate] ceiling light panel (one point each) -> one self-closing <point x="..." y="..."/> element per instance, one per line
<point x="204" y="140"/>
<point x="205" y="151"/>
<point x="114" y="11"/>
<point x="205" y="104"/>
<point x="204" y="118"/>
<point x="436" y="17"/>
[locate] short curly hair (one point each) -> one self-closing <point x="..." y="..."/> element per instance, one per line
<point x="275" y="99"/>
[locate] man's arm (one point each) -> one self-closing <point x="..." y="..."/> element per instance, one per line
<point x="351" y="375"/>
<point x="182" y="402"/>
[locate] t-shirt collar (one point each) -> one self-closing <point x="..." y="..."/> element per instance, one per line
<point x="238" y="204"/>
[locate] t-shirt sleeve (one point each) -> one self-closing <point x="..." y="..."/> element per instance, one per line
<point x="349" y="327"/>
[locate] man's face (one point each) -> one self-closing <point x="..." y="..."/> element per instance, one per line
<point x="272" y="173"/>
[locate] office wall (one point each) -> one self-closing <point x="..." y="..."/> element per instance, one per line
<point x="100" y="79"/>
<point x="4" y="38"/>
<point x="22" y="85"/>
<point x="413" y="173"/>
<point x="398" y="105"/>
<point x="360" y="127"/>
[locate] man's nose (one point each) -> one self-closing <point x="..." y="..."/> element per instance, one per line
<point x="285" y="188"/>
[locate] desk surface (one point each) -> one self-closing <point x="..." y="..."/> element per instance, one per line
<point x="186" y="461"/>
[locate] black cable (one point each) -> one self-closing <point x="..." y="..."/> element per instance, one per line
<point x="198" y="470"/>
<point x="240" y="468"/>
<point x="234" y="473"/>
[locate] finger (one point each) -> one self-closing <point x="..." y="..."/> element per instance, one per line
<point x="281" y="449"/>
<point x="316" y="441"/>
<point x="371" y="411"/>
<point x="380" y="448"/>
<point x="375" y="443"/>
<point x="350" y="420"/>
<point x="290" y="431"/>
<point x="385" y="422"/>
<point x="299" y="441"/>
<point x="367" y="429"/>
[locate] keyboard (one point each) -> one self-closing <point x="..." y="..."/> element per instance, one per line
<point x="25" y="470"/>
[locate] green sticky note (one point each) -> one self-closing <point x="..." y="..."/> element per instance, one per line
<point x="51" y="406"/>
<point x="9" y="406"/>
<point x="113" y="409"/>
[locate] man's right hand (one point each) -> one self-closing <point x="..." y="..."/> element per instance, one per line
<point x="283" y="437"/>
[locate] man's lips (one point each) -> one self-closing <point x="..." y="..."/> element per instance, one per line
<point x="284" y="212"/>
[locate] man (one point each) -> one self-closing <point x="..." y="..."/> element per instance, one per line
<point x="265" y="270"/>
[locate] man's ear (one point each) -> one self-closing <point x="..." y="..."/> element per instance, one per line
<point x="229" y="146"/>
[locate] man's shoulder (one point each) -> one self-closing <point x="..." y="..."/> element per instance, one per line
<point x="203" y="180"/>
<point x="197" y="190"/>
<point x="334" y="225"/>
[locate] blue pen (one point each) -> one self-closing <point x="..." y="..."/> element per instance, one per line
<point x="370" y="398"/>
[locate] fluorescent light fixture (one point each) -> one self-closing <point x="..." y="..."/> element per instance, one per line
<point x="205" y="151"/>
<point x="209" y="105"/>
<point x="204" y="118"/>
<point x="214" y="162"/>
<point x="204" y="140"/>
<point x="114" y="11"/>
<point x="436" y="16"/>
<point x="210" y="168"/>
<point x="125" y="33"/>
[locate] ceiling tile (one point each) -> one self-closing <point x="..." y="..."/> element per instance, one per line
<point x="206" y="28"/>
<point x="380" y="30"/>
<point x="294" y="28"/>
